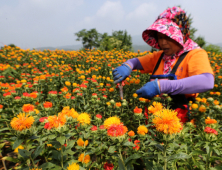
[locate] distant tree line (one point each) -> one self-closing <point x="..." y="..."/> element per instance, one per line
<point x="93" y="39"/>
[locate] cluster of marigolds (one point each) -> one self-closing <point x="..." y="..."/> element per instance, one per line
<point x="35" y="94"/>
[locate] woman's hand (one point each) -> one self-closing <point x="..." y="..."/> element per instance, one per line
<point x="149" y="90"/>
<point x="121" y="73"/>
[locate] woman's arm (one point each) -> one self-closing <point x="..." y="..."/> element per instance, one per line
<point x="134" y="64"/>
<point x="194" y="84"/>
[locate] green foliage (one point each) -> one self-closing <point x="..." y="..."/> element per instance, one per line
<point x="89" y="38"/>
<point x="118" y="40"/>
<point x="200" y="41"/>
<point x="213" y="48"/>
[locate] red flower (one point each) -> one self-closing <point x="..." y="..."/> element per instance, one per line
<point x="47" y="126"/>
<point x="42" y="119"/>
<point x="94" y="128"/>
<point x="102" y="127"/>
<point x="47" y="105"/>
<point x="210" y="130"/>
<point x="99" y="116"/>
<point x="108" y="166"/>
<point x="137" y="147"/>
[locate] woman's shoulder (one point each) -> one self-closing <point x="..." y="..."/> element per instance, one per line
<point x="197" y="51"/>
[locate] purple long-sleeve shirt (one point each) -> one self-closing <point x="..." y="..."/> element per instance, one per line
<point x="194" y="84"/>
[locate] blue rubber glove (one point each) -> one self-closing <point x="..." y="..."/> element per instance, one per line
<point x="121" y="73"/>
<point x="149" y="90"/>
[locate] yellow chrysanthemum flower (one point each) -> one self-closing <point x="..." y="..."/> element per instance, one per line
<point x="73" y="166"/>
<point x="166" y="121"/>
<point x="84" y="118"/>
<point x="142" y="130"/>
<point x="22" y="122"/>
<point x="111" y="121"/>
<point x="19" y="147"/>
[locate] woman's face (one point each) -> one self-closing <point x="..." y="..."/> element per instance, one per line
<point x="168" y="45"/>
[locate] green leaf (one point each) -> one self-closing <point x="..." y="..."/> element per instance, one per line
<point x="160" y="147"/>
<point x="121" y="164"/>
<point x="70" y="152"/>
<point x="134" y="156"/>
<point x="61" y="139"/>
<point x="111" y="149"/>
<point x="52" y="136"/>
<point x="148" y="164"/>
<point x="17" y="143"/>
<point x="24" y="153"/>
<point x="2" y="145"/>
<point x="218" y="167"/>
<point x="3" y="129"/>
<point x="198" y="152"/>
<point x="215" y="150"/>
<point x="178" y="156"/>
<point x="128" y="143"/>
<point x="130" y="166"/>
<point x="47" y="165"/>
<point x="37" y="151"/>
<point x="10" y="159"/>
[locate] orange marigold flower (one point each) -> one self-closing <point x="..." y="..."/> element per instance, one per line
<point x="166" y="121"/>
<point x="22" y="122"/>
<point x="84" y="159"/>
<point x="216" y="102"/>
<point x="131" y="133"/>
<point x="117" y="130"/>
<point x="28" y="108"/>
<point x="202" y="108"/>
<point x="156" y="106"/>
<point x="33" y="95"/>
<point x="80" y="142"/>
<point x="56" y="121"/>
<point x="137" y="110"/>
<point x="111" y="89"/>
<point x="210" y="121"/>
<point x="1" y="106"/>
<point x="142" y="130"/>
<point x="47" y="104"/>
<point x="118" y="104"/>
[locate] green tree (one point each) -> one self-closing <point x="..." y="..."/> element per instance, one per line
<point x="89" y="38"/>
<point x="126" y="40"/>
<point x="200" y="41"/>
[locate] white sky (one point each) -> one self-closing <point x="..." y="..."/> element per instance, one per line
<point x="41" y="23"/>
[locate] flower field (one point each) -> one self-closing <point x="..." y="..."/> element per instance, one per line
<point x="61" y="110"/>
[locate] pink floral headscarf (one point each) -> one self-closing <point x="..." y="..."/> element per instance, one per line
<point x="172" y="22"/>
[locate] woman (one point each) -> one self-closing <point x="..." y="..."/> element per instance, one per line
<point x="181" y="68"/>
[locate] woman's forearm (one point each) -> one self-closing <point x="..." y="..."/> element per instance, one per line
<point x="134" y="63"/>
<point x="194" y="84"/>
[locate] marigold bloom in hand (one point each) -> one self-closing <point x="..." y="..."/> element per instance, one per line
<point x="142" y="130"/>
<point x="22" y="122"/>
<point x="84" y="159"/>
<point x="166" y="121"/>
